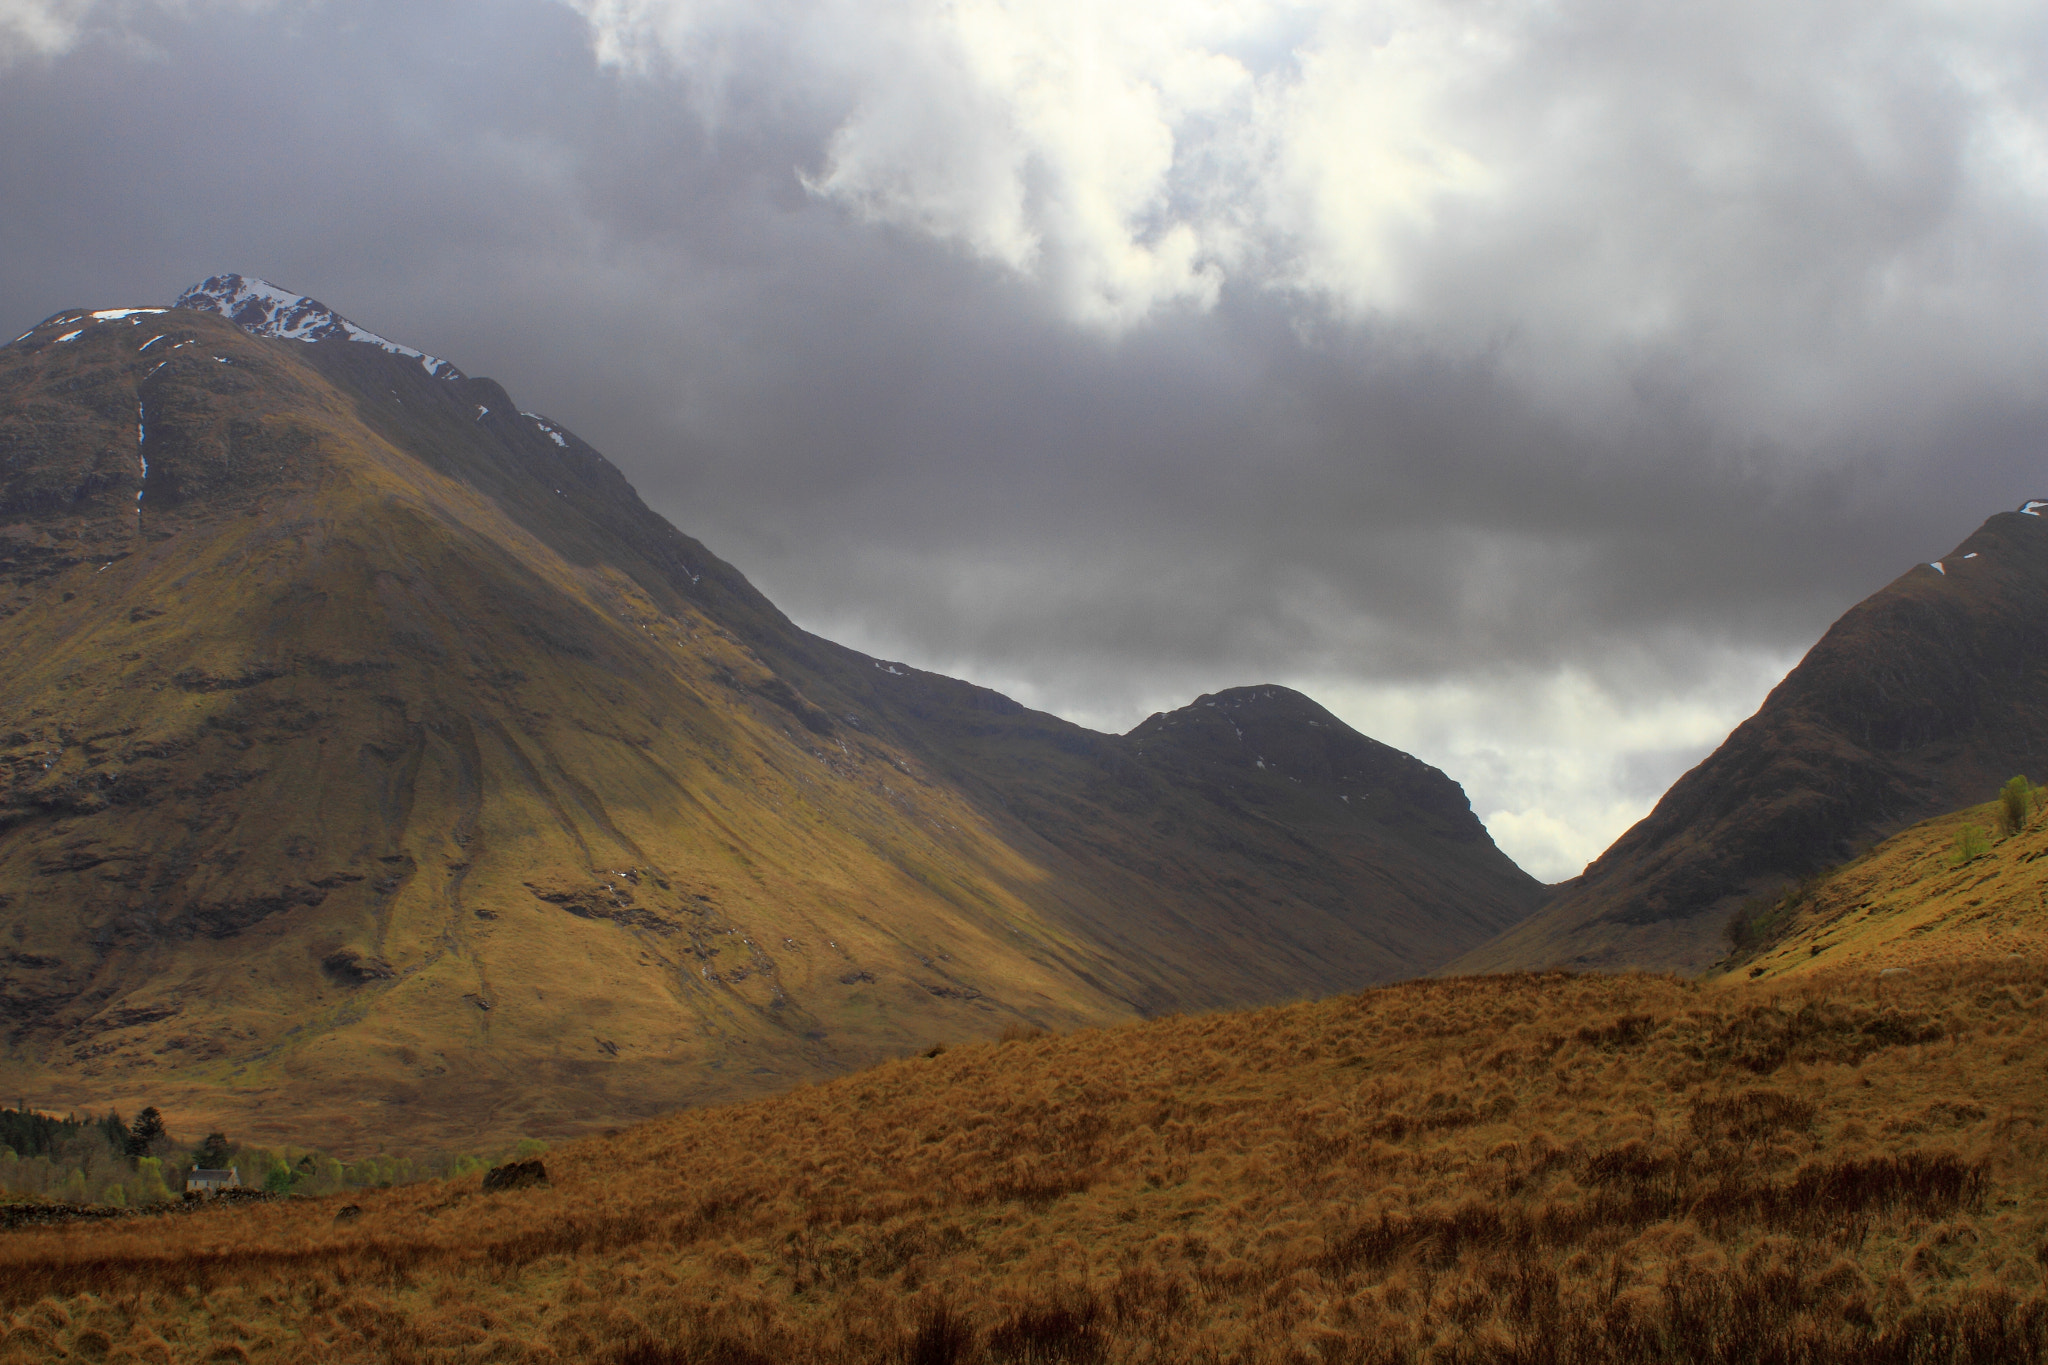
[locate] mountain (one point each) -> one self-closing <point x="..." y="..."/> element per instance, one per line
<point x="1923" y="698"/>
<point x="375" y="763"/>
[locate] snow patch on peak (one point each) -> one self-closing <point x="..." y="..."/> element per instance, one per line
<point x="547" y="428"/>
<point x="2029" y="507"/>
<point x="262" y="309"/>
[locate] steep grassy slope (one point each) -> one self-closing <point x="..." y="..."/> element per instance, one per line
<point x="1509" y="1169"/>
<point x="1920" y="699"/>
<point x="1914" y="902"/>
<point x="377" y="766"/>
<point x="1278" y="863"/>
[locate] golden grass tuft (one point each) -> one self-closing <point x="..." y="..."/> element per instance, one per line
<point x="1511" y="1169"/>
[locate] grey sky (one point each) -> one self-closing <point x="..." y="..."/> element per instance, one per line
<point x="1529" y="384"/>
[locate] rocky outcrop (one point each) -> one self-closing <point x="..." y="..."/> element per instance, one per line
<point x="354" y="968"/>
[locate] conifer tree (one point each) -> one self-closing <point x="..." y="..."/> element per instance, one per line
<point x="214" y="1152"/>
<point x="149" y="1126"/>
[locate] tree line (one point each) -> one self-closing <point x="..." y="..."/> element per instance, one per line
<point x="112" y="1161"/>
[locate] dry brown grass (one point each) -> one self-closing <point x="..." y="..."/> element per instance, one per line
<point x="1514" y="1169"/>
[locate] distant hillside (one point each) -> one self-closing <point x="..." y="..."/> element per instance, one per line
<point x="1914" y="902"/>
<point x="1591" y="1170"/>
<point x="374" y="764"/>
<point x="1924" y="697"/>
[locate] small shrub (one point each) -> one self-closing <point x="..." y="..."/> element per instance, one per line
<point x="1756" y="922"/>
<point x="1970" y="843"/>
<point x="1751" y="1117"/>
<point x="1761" y="920"/>
<point x="943" y="1338"/>
<point x="1806" y="888"/>
<point x="2014" y="799"/>
<point x="1631" y="1030"/>
<point x="1051" y="1334"/>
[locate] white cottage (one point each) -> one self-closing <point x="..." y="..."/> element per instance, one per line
<point x="204" y="1180"/>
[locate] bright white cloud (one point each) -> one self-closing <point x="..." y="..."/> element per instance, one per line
<point x="1586" y="179"/>
<point x="1558" y="765"/>
<point x="1052" y="138"/>
<point x="41" y="27"/>
<point x="50" y="28"/>
<point x="1064" y="161"/>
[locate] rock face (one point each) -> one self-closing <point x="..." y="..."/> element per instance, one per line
<point x="346" y="964"/>
<point x="1923" y="698"/>
<point x="373" y="761"/>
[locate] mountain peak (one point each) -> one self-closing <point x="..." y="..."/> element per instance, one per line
<point x="1269" y="696"/>
<point x="266" y="310"/>
<point x="1289" y="738"/>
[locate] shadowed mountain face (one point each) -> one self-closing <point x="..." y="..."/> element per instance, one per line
<point x="374" y="762"/>
<point x="1923" y="698"/>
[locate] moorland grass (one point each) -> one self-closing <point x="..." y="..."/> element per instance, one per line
<point x="1505" y="1169"/>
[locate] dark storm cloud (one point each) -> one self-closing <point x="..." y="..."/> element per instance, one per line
<point x="1640" y="401"/>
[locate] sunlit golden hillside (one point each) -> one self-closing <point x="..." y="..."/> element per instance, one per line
<point x="1919" y="900"/>
<point x="1511" y="1169"/>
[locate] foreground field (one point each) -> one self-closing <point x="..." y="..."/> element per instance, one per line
<point x="1513" y="1169"/>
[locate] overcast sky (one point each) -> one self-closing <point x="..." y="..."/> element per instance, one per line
<point x="1531" y="383"/>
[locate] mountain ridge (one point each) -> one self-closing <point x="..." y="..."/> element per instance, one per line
<point x="262" y="309"/>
